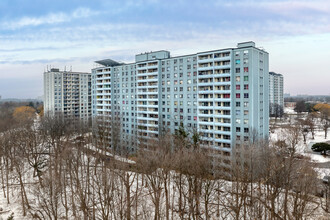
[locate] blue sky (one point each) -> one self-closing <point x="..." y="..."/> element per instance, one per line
<point x="37" y="33"/>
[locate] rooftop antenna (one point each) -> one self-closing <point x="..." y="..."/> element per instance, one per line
<point x="70" y="68"/>
<point x="64" y="68"/>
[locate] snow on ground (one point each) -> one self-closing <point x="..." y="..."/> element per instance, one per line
<point x="305" y="149"/>
<point x="15" y="199"/>
<point x="316" y="156"/>
<point x="14" y="207"/>
<point x="289" y="110"/>
<point x="119" y="158"/>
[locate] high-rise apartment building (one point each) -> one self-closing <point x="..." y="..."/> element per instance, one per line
<point x="276" y="98"/>
<point x="223" y="94"/>
<point x="67" y="93"/>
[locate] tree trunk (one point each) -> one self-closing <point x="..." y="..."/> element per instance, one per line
<point x="128" y="198"/>
<point x="23" y="194"/>
<point x="167" y="205"/>
<point x="7" y="179"/>
<point x="2" y="178"/>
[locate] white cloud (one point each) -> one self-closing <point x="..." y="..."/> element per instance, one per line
<point x="51" y="18"/>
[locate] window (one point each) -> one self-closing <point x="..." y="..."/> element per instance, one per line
<point x="246" y="86"/>
<point x="238" y="95"/>
<point x="238" y="112"/>
<point x="246" y="69"/>
<point x="238" y="121"/>
<point x="238" y="70"/>
<point x="246" y="104"/>
<point x="238" y="79"/>
<point x="246" y="95"/>
<point x="246" y="78"/>
<point x="246" y="121"/>
<point x="238" y="87"/>
<point x="226" y="96"/>
<point x="238" y="61"/>
<point x="246" y="112"/>
<point x="245" y="61"/>
<point x="238" y="129"/>
<point x="238" y="104"/>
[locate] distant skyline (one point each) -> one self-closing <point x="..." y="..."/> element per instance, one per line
<point x="37" y="33"/>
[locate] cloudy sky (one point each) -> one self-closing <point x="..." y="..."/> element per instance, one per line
<point x="37" y="33"/>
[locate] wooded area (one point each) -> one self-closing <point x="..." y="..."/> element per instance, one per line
<point x="54" y="172"/>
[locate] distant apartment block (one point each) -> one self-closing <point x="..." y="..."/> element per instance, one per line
<point x="67" y="93"/>
<point x="223" y="94"/>
<point x="276" y="97"/>
<point x="286" y="95"/>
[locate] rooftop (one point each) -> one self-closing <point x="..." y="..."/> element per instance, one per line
<point x="108" y="62"/>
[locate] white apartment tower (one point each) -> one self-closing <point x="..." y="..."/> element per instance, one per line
<point x="67" y="93"/>
<point x="223" y="94"/>
<point x="276" y="97"/>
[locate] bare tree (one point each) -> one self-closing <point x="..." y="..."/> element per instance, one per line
<point x="311" y="123"/>
<point x="325" y="120"/>
<point x="304" y="125"/>
<point x="276" y="110"/>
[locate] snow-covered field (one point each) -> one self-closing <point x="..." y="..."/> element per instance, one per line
<point x="302" y="148"/>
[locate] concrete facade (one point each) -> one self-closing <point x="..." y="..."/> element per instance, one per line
<point x="223" y="94"/>
<point x="276" y="96"/>
<point x="67" y="93"/>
